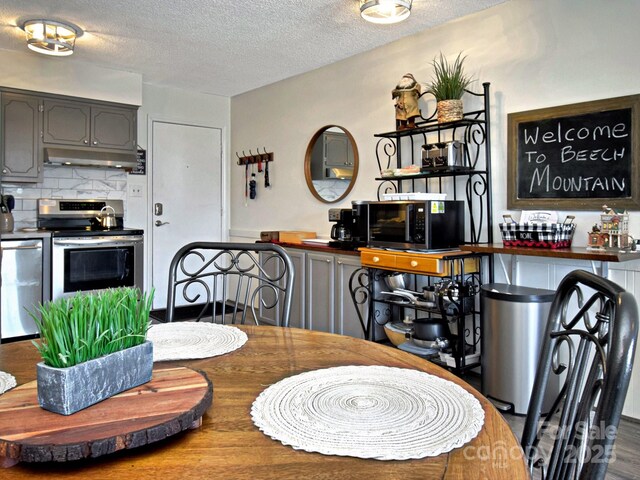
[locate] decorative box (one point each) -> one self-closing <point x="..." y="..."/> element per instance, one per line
<point x="540" y="235"/>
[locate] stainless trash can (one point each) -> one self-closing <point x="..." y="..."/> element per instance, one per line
<point x="513" y="321"/>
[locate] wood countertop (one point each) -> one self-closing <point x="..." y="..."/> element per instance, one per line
<point x="318" y="248"/>
<point x="576" y="253"/>
<point x="229" y="446"/>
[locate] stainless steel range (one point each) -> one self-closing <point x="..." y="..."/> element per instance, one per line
<point x="90" y="248"/>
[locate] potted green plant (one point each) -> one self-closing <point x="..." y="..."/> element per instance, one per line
<point x="448" y="85"/>
<point x="93" y="346"/>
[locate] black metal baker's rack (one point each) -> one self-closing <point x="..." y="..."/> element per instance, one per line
<point x="470" y="182"/>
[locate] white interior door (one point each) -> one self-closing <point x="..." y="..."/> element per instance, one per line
<point x="187" y="194"/>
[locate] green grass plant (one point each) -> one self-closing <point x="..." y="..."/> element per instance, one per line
<point x="90" y="325"/>
<point x="449" y="80"/>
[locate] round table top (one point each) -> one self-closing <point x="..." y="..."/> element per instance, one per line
<point x="229" y="445"/>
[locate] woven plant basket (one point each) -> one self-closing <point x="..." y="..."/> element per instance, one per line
<point x="449" y="110"/>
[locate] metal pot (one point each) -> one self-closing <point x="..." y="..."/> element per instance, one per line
<point x="107" y="219"/>
<point x="430" y="329"/>
<point x="430" y="294"/>
<point x="449" y="298"/>
<point x="395" y="281"/>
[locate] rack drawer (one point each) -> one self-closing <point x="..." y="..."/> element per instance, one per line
<point x="433" y="264"/>
<point x="377" y="259"/>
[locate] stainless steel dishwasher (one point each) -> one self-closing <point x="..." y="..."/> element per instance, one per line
<point x="23" y="283"/>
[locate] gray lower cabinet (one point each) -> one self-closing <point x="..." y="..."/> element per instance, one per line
<point x="271" y="315"/>
<point x="321" y="297"/>
<point x="346" y="317"/>
<point x="86" y="125"/>
<point x="297" y="318"/>
<point x="328" y="298"/>
<point x="321" y="292"/>
<point x="20" y="155"/>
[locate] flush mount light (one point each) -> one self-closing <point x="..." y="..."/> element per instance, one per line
<point x="51" y="37"/>
<point x="385" y="11"/>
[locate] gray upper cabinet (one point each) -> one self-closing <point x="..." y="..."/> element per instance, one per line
<point x="337" y="150"/>
<point x="86" y="125"/>
<point x="20" y="155"/>
<point x="66" y="123"/>
<point x="113" y="128"/>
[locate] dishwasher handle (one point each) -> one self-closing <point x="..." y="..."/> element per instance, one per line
<point x="35" y="246"/>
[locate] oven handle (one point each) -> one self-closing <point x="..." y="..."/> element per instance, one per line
<point x="129" y="240"/>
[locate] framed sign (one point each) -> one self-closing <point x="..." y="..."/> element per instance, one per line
<point x="575" y="157"/>
<point x="141" y="167"/>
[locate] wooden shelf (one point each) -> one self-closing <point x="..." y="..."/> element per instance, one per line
<point x="576" y="253"/>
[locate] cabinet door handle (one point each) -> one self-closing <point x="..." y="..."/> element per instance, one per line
<point x="328" y="260"/>
<point x="414" y="263"/>
<point x="376" y="259"/>
<point x="95" y="142"/>
<point x="4" y="170"/>
<point x="86" y="141"/>
<point x="339" y="262"/>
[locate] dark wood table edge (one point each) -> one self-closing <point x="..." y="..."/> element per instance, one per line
<point x="12" y="452"/>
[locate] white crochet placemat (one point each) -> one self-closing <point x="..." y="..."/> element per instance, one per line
<point x="189" y="340"/>
<point x="7" y="382"/>
<point x="384" y="413"/>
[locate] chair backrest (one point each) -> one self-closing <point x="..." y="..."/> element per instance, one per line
<point x="589" y="341"/>
<point x="231" y="282"/>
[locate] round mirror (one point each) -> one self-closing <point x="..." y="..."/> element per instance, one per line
<point x="331" y="164"/>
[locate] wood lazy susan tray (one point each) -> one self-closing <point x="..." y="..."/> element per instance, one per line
<point x="174" y="400"/>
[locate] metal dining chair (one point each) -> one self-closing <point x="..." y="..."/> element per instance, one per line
<point x="231" y="283"/>
<point x="590" y="340"/>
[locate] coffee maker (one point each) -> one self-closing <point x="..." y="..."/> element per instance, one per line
<point x="345" y="234"/>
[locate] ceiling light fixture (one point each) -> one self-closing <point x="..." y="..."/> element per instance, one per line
<point x="51" y="37"/>
<point x="385" y="11"/>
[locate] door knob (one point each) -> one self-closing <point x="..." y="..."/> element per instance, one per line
<point x="159" y="223"/>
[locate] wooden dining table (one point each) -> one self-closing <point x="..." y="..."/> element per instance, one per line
<point x="229" y="446"/>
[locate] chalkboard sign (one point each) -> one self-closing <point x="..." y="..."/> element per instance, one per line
<point x="575" y="157"/>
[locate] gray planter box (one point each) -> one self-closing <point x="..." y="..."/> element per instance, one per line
<point x="68" y="390"/>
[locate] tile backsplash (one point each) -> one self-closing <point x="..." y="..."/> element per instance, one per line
<point x="65" y="182"/>
<point x="331" y="189"/>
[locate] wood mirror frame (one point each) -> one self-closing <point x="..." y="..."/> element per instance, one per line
<point x="308" y="163"/>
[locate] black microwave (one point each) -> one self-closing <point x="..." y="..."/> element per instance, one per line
<point x="416" y="224"/>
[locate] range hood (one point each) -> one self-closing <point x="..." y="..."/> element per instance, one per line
<point x="89" y="158"/>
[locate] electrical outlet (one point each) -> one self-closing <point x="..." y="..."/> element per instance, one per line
<point x="135" y="190"/>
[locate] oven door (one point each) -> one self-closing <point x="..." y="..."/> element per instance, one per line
<point x="84" y="264"/>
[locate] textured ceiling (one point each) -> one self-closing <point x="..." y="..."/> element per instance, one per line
<point x="221" y="47"/>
